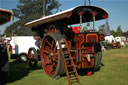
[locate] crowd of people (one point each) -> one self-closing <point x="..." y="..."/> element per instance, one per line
<point x="116" y="44"/>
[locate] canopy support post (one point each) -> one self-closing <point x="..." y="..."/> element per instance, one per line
<point x="94" y="23"/>
<point x="80" y="23"/>
<point x="81" y="14"/>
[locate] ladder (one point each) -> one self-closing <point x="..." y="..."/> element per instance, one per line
<point x="69" y="66"/>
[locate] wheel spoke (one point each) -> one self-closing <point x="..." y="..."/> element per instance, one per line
<point x="49" y="44"/>
<point x="47" y="48"/>
<point x="55" y="59"/>
<point x="54" y="45"/>
<point x="54" y="50"/>
<point x="53" y="68"/>
<point x="48" y="62"/>
<point x="56" y="54"/>
<point x="46" y="52"/>
<point x="52" y="42"/>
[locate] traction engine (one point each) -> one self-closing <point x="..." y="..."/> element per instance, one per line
<point x="66" y="46"/>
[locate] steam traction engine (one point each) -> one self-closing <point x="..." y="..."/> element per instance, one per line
<point x="65" y="44"/>
<point x="5" y="16"/>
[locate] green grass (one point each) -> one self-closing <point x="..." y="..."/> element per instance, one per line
<point x="114" y="72"/>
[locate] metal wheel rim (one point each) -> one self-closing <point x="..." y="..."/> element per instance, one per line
<point x="49" y="55"/>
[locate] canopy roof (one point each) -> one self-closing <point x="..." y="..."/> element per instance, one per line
<point x="72" y="16"/>
<point x="5" y="16"/>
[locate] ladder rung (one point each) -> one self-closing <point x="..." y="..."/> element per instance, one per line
<point x="74" y="81"/>
<point x="65" y="48"/>
<point x="70" y="59"/>
<point x="66" y="56"/>
<point x="71" y="72"/>
<point x="73" y="50"/>
<point x="70" y="65"/>
<point x="86" y="57"/>
<point x="66" y="53"/>
<point x="67" y="59"/>
<point x="76" y="66"/>
<point x="73" y="58"/>
<point x="82" y="61"/>
<point x="81" y="48"/>
<point x="74" y="78"/>
<point x="63" y="42"/>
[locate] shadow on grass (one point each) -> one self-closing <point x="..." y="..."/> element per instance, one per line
<point x="18" y="70"/>
<point x="83" y="72"/>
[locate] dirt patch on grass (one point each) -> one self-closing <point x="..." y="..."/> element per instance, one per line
<point x="121" y="55"/>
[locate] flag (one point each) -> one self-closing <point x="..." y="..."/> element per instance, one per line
<point x="106" y="28"/>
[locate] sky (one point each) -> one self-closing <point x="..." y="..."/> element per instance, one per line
<point x="117" y="10"/>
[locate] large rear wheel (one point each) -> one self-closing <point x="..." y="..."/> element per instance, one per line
<point x="50" y="55"/>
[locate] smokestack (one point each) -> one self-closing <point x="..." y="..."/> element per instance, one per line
<point x="44" y="8"/>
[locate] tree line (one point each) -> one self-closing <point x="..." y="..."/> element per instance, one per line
<point x="115" y="33"/>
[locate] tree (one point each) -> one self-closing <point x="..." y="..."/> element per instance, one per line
<point x="119" y="31"/>
<point x="112" y="32"/>
<point x="101" y="29"/>
<point x="28" y="10"/>
<point x="125" y="34"/>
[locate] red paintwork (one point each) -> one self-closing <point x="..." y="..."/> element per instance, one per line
<point x="89" y="73"/>
<point x="94" y="13"/>
<point x="11" y="49"/>
<point x="101" y="37"/>
<point x="81" y="13"/>
<point x="91" y="38"/>
<point x="81" y="45"/>
<point x="105" y="16"/>
<point x="53" y="31"/>
<point x="69" y="13"/>
<point x="79" y="39"/>
<point x="76" y="30"/>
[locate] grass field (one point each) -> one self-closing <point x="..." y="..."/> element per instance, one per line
<point x="114" y="72"/>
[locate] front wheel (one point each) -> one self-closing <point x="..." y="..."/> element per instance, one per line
<point x="32" y="57"/>
<point x="23" y="57"/>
